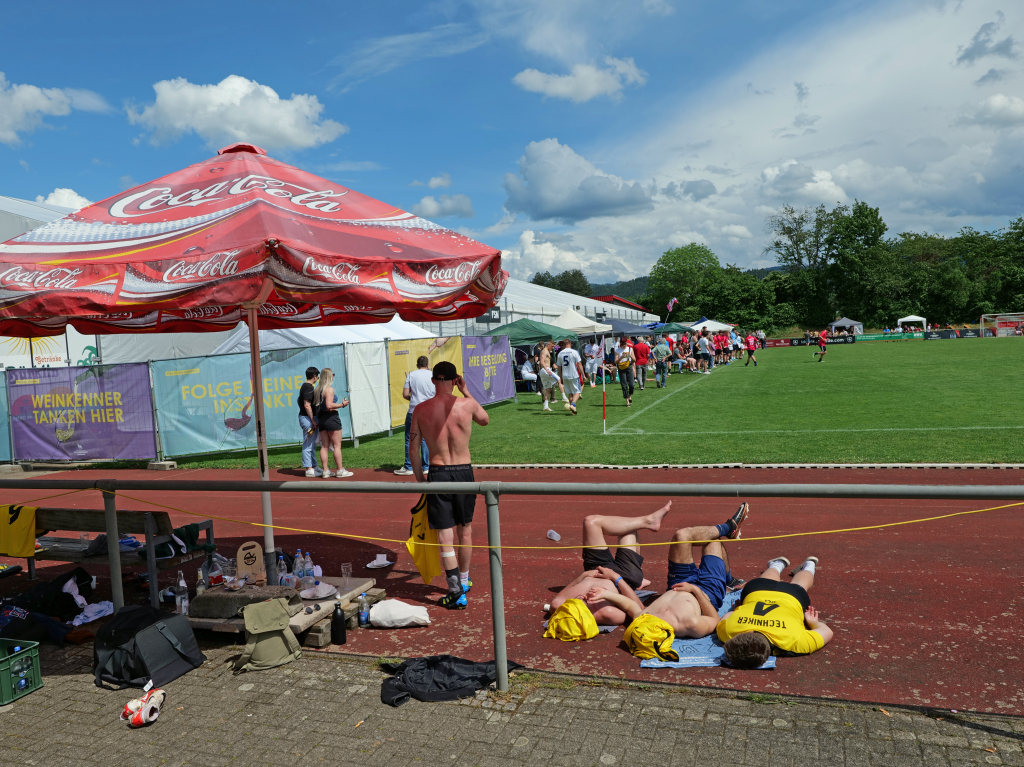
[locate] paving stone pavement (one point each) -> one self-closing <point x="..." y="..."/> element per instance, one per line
<point x="326" y="709"/>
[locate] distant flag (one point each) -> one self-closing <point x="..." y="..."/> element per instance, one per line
<point x="672" y="303"/>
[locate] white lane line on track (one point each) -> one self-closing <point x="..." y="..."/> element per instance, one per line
<point x="807" y="431"/>
<point x="629" y="418"/>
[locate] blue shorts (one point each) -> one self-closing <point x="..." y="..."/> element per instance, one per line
<point x="711" y="577"/>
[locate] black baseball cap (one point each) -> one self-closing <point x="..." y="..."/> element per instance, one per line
<point x="445" y="371"/>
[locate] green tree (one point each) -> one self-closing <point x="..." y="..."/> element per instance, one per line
<point x="681" y="273"/>
<point x="571" y="281"/>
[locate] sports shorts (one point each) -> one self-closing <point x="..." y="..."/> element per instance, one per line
<point x="572" y="386"/>
<point x="592" y="364"/>
<point x="626" y="563"/>
<point x="767" y="584"/>
<point x="448" y="510"/>
<point x="547" y="381"/>
<point x="711" y="577"/>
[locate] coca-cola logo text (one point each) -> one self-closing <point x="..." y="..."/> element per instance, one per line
<point x="153" y="198"/>
<point x="52" y="279"/>
<point x="217" y="265"/>
<point x="278" y="309"/>
<point x="460" y="274"/>
<point x="202" y="313"/>
<point x="340" y="272"/>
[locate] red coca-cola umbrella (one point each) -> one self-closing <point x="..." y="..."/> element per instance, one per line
<point x="240" y="237"/>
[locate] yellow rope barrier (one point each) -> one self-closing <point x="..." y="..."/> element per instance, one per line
<point x="48" y="497"/>
<point x="550" y="548"/>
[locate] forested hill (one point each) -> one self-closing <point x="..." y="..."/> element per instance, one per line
<point x="625" y="289"/>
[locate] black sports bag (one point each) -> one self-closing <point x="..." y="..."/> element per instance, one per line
<point x="141" y="644"/>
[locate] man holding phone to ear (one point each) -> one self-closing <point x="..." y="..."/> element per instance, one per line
<point x="445" y="422"/>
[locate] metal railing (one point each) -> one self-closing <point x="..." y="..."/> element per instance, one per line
<point x="493" y="490"/>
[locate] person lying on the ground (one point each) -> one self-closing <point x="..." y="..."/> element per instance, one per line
<point x="689" y="608"/>
<point x="570" y="615"/>
<point x="774" y="617"/>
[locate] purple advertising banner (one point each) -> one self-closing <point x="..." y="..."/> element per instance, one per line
<point x="82" y="413"/>
<point x="487" y="368"/>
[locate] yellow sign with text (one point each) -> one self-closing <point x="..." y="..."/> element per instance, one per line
<point x="402" y="356"/>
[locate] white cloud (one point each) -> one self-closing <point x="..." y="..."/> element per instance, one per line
<point x="64" y="198"/>
<point x="889" y="126"/>
<point x="385" y="54"/>
<point x="444" y="180"/>
<point x="23" y="107"/>
<point x="458" y="205"/>
<point x="235" y="109"/>
<point x="737" y="230"/>
<point x="998" y="111"/>
<point x="126" y="182"/>
<point x="585" y="81"/>
<point x="23" y="164"/>
<point x="536" y="252"/>
<point x="556" y="183"/>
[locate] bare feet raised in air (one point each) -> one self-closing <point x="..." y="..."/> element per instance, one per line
<point x="654" y="523"/>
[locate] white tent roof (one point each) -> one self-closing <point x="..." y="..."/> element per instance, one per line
<point x="396" y="330"/>
<point x="522" y="297"/>
<point x="910" y="318"/>
<point x="20" y="216"/>
<point x="710" y="325"/>
<point x="577" y="323"/>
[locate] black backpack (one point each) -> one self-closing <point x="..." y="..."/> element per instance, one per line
<point x="142" y="644"/>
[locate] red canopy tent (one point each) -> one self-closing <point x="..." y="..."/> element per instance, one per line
<point x="240" y="237"/>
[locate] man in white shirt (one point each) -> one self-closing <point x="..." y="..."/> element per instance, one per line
<point x="526" y="371"/>
<point x="549" y="376"/>
<point x="419" y="386"/>
<point x="570" y="366"/>
<point x="593" y="354"/>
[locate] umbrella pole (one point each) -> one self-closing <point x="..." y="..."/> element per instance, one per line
<point x="261" y="444"/>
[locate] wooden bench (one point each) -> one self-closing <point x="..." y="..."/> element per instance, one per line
<point x="154" y="525"/>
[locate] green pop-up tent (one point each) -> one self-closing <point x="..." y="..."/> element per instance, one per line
<point x="528" y="332"/>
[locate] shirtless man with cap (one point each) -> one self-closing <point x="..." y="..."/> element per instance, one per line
<point x="572" y="616"/>
<point x="689" y="608"/>
<point x="446" y="423"/>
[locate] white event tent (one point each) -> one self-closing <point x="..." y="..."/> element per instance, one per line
<point x="912" y="319"/>
<point x="578" y="324"/>
<point x="293" y="338"/>
<point x="711" y="325"/>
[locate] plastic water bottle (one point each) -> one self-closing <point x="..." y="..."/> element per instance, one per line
<point x="299" y="565"/>
<point x="282" y="572"/>
<point x="364" y="611"/>
<point x="309" y="565"/>
<point x="339" y="632"/>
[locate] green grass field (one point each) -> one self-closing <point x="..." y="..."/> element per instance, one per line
<point x="948" y="401"/>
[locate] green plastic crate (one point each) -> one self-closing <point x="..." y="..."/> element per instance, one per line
<point x="19" y="670"/>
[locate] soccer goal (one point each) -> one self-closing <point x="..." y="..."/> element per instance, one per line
<point x="993" y="325"/>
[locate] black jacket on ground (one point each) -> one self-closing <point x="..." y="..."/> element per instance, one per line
<point x="437" y="678"/>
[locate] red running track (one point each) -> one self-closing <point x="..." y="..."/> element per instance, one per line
<point x="924" y="615"/>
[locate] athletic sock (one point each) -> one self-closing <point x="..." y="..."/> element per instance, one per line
<point x="777" y="565"/>
<point x="454" y="582"/>
<point x="809" y="566"/>
<point x="724" y="529"/>
<point x="464" y="577"/>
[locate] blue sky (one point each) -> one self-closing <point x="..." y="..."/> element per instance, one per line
<point x="570" y="134"/>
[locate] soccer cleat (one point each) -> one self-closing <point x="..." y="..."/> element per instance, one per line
<point x="572" y="409"/>
<point x="466" y="586"/>
<point x="453" y="601"/>
<point x="144" y="710"/>
<point x="738" y="519"/>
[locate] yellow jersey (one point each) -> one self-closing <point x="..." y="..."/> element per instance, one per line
<point x="779" y="617"/>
